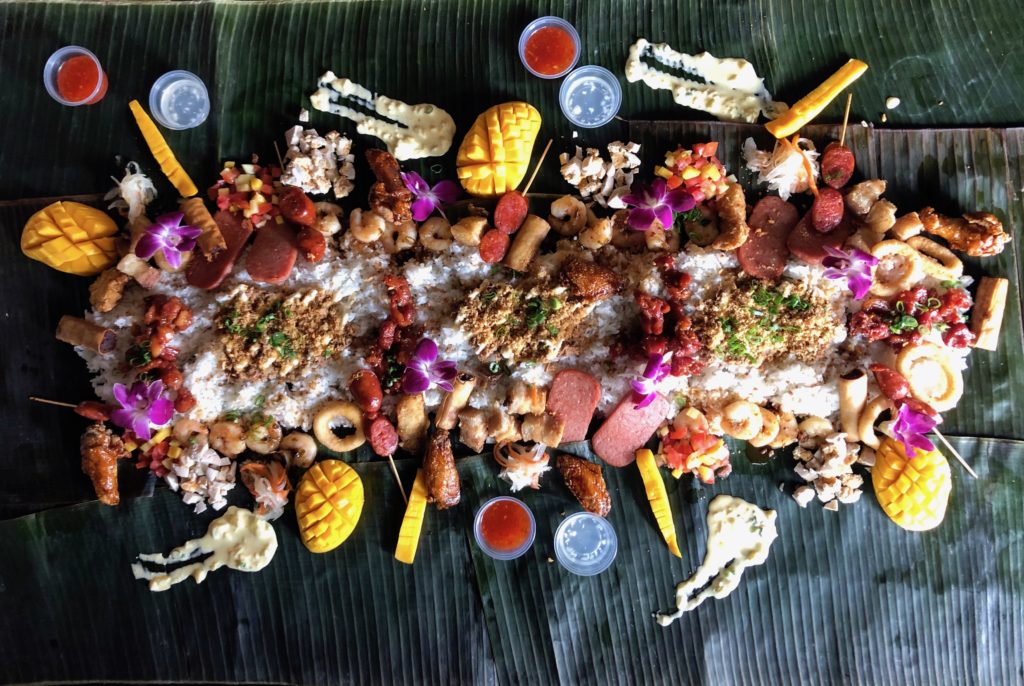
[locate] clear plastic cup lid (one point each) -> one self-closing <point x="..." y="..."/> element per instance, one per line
<point x="56" y="61"/>
<point x="586" y="544"/>
<point x="179" y="100"/>
<point x="544" y="22"/>
<point x="500" y="554"/>
<point x="590" y="96"/>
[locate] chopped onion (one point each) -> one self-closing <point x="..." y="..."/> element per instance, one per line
<point x="782" y="169"/>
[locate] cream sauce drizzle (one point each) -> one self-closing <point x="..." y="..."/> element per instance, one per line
<point x="739" y="536"/>
<point x="410" y="131"/>
<point x="732" y="90"/>
<point x="238" y="540"/>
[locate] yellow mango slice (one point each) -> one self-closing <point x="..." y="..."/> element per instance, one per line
<point x="412" y="522"/>
<point x="811" y="105"/>
<point x="71" y="237"/>
<point x="495" y="154"/>
<point x="658" y="497"/>
<point x="162" y="153"/>
<point x="913" y="492"/>
<point x="328" y="504"/>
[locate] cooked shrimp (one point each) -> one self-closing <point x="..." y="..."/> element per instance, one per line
<point x="299" y="449"/>
<point x="598" y="232"/>
<point x="366" y="225"/>
<point x="263" y="436"/>
<point x="788" y="428"/>
<point x="398" y="237"/>
<point x="327" y="221"/>
<point x="227" y="438"/>
<point x="742" y="420"/>
<point x="813" y="431"/>
<point x="190" y="432"/>
<point x="436" y="234"/>
<point x="568" y="215"/>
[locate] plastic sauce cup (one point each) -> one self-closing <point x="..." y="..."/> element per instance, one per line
<point x="590" y="96"/>
<point x="504" y="554"/>
<point x="545" y="23"/>
<point x="179" y="100"/>
<point x="586" y="544"/>
<point x="53" y="66"/>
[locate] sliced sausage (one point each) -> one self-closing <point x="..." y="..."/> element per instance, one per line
<point x="312" y="243"/>
<point x="809" y="245"/>
<point x="573" y="398"/>
<point x="510" y="212"/>
<point x="273" y="253"/>
<point x="382" y="436"/>
<point x="765" y="253"/>
<point x="627" y="429"/>
<point x="209" y="274"/>
<point x="837" y="165"/>
<point x="493" y="246"/>
<point x="827" y="210"/>
<point x="296" y="207"/>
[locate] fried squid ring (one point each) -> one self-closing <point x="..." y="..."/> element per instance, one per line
<point x="933" y="375"/>
<point x="938" y="261"/>
<point x="868" y="417"/>
<point x="328" y="415"/>
<point x="899" y="268"/>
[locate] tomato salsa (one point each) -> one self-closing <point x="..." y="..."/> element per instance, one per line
<point x="77" y="79"/>
<point x="505" y="525"/>
<point x="550" y="50"/>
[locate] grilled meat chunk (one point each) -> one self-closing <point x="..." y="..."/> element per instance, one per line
<point x="388" y="197"/>
<point x="979" y="234"/>
<point x="101" y="450"/>
<point x="585" y="481"/>
<point x="442" y="478"/>
<point x="588" y="280"/>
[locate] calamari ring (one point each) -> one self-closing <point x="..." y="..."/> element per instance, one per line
<point x="868" y="417"/>
<point x="325" y="419"/>
<point x="917" y="363"/>
<point x="899" y="268"/>
<point x="938" y="261"/>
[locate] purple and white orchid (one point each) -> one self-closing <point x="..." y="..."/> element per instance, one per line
<point x="142" y="406"/>
<point x="427" y="198"/>
<point x="854" y="266"/>
<point x="909" y="428"/>
<point x="167" y="236"/>
<point x="424" y="370"/>
<point x="645" y="386"/>
<point x="655" y="202"/>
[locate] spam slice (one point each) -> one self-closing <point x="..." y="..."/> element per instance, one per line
<point x="573" y="398"/>
<point x="764" y="254"/>
<point x="203" y="274"/>
<point x="273" y="253"/>
<point x="627" y="429"/>
<point x="809" y="245"/>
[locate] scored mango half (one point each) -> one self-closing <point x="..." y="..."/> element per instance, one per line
<point x="913" y="492"/>
<point x="495" y="154"/>
<point x="328" y="504"/>
<point x="71" y="237"/>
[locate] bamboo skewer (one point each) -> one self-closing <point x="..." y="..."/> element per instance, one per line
<point x="401" y="488"/>
<point x="37" y="399"/>
<point x="957" y="455"/>
<point x="280" y="161"/>
<point x="537" y="167"/>
<point x="846" y="118"/>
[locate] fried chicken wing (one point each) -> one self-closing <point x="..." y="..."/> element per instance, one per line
<point x="589" y="280"/>
<point x="585" y="481"/>
<point x="439" y="467"/>
<point x="979" y="234"/>
<point x="732" y="219"/>
<point x="388" y="197"/>
<point x="101" y="450"/>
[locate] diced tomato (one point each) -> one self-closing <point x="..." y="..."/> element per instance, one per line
<point x="673" y="182"/>
<point x="223" y="202"/>
<point x="231" y="174"/>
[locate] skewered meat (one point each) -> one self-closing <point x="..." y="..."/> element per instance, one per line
<point x="979" y="234"/>
<point x="388" y="197"/>
<point x="588" y="280"/>
<point x="439" y="467"/>
<point x="101" y="450"/>
<point x="584" y="479"/>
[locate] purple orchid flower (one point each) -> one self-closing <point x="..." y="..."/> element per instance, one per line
<point x="854" y="266"/>
<point x="425" y="370"/>
<point x="142" y="406"/>
<point x="167" y="235"/>
<point x="909" y="428"/>
<point x="429" y="198"/>
<point x="655" y="202"/>
<point x="644" y="387"/>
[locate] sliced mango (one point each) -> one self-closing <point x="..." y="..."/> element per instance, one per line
<point x="162" y="153"/>
<point x="71" y="237"/>
<point x="328" y="504"/>
<point x="412" y="522"/>
<point x="913" y="492"/>
<point x="654" y="484"/>
<point x="810" y="106"/>
<point x="495" y="155"/>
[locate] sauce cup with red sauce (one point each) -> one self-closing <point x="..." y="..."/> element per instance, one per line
<point x="549" y="47"/>
<point x="504" y="528"/>
<point x="73" y="76"/>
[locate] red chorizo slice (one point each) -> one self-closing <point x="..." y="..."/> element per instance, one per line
<point x="627" y="429"/>
<point x="827" y="210"/>
<point x="382" y="436"/>
<point x="837" y="165"/>
<point x="493" y="246"/>
<point x="510" y="212"/>
<point x="273" y="253"/>
<point x="764" y="254"/>
<point x="209" y="274"/>
<point x="573" y="398"/>
<point x="809" y="245"/>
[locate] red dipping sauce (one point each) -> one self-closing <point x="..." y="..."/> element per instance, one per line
<point x="505" y="525"/>
<point x="77" y="79"/>
<point x="550" y="50"/>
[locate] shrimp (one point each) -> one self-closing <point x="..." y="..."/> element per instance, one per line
<point x="227" y="437"/>
<point x="436" y="234"/>
<point x="568" y="215"/>
<point x="366" y="226"/>
<point x="263" y="436"/>
<point x="813" y="430"/>
<point x="327" y="221"/>
<point x="190" y="432"/>
<point x="299" y="449"/>
<point x="742" y="420"/>
<point x="598" y="232"/>
<point x="398" y="237"/>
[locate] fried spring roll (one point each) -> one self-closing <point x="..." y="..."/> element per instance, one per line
<point x="987" y="317"/>
<point x="455" y="402"/>
<point x="211" y="240"/>
<point x="527" y="241"/>
<point x="78" y="331"/>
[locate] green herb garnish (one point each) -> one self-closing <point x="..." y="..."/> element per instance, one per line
<point x="139" y="354"/>
<point x="489" y="295"/>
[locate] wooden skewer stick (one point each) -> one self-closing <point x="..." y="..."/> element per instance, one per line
<point x="279" y="160"/>
<point x="959" y="459"/>
<point x="537" y="168"/>
<point x="51" y="402"/>
<point x="401" y="488"/>
<point x="846" y="118"/>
